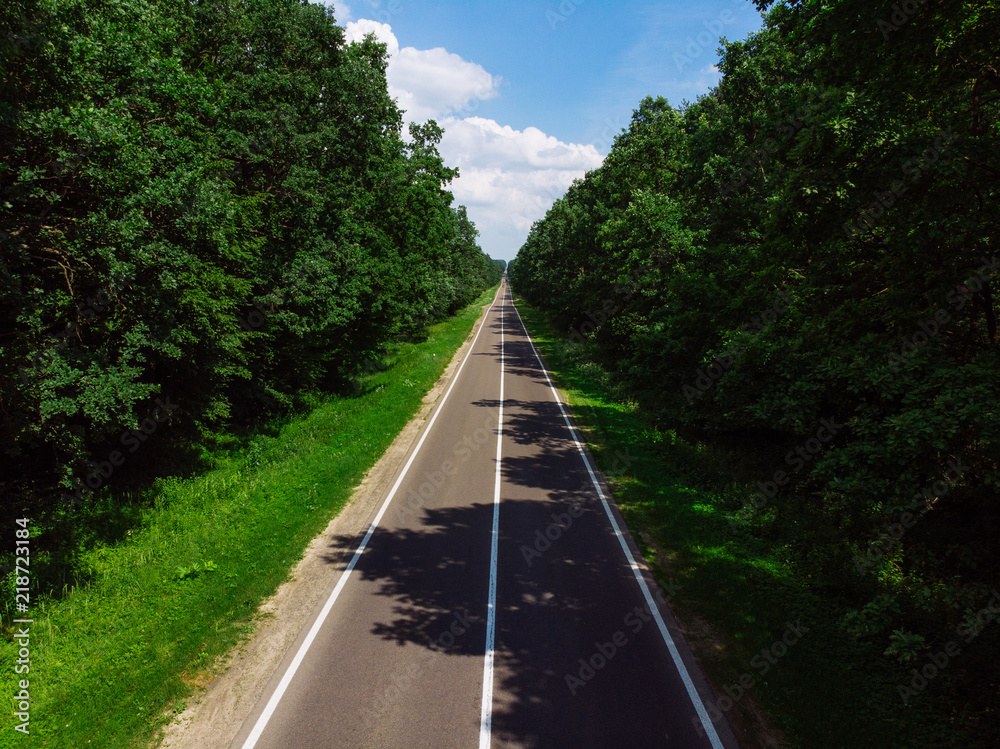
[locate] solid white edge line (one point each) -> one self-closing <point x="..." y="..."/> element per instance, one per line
<point x="486" y="715"/>
<point x="699" y="706"/>
<point x="279" y="691"/>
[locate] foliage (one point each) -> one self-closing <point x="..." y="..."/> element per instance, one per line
<point x="209" y="211"/>
<point x="180" y="589"/>
<point x="816" y="240"/>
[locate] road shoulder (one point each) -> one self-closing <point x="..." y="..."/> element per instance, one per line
<point x="215" y="715"/>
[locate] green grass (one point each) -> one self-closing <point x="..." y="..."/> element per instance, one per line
<point x="113" y="658"/>
<point x="738" y="590"/>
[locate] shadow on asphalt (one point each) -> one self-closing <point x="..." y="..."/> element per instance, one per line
<point x="564" y="591"/>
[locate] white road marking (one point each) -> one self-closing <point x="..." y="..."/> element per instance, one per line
<point x="279" y="692"/>
<point x="699" y="706"/>
<point x="486" y="716"/>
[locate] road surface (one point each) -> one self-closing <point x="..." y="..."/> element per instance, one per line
<point x="494" y="600"/>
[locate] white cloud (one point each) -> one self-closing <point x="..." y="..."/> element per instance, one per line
<point x="427" y="83"/>
<point x="485" y="143"/>
<point x="508" y="178"/>
<point x="511" y="198"/>
<point x="431" y="83"/>
<point x="355" y="31"/>
<point x="341" y="10"/>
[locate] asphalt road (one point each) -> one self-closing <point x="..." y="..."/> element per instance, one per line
<point x="490" y="603"/>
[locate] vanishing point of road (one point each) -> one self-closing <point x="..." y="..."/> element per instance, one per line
<point x="496" y="598"/>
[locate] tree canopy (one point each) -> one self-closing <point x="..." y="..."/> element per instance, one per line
<point x="814" y="243"/>
<point x="210" y="205"/>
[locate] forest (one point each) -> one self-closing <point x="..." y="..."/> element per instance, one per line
<point x="211" y="216"/>
<point x="799" y="269"/>
<point x="215" y="217"/>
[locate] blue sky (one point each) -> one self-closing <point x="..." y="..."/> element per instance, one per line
<point x="532" y="92"/>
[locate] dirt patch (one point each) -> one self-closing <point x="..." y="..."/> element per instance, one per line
<point x="199" y="680"/>
<point x="229" y="690"/>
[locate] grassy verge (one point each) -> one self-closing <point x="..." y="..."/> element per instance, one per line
<point x="108" y="657"/>
<point x="739" y="592"/>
